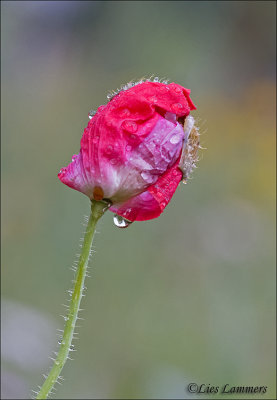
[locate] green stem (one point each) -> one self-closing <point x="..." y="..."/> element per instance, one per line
<point x="97" y="210"/>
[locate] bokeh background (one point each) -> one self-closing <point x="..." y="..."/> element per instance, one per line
<point x="188" y="297"/>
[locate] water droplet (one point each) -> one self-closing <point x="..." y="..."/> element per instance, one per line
<point x="74" y="157"/>
<point x="153" y="99"/>
<point x="71" y="347"/>
<point x="114" y="161"/>
<point x="112" y="107"/>
<point x="121" y="222"/>
<point x="91" y="114"/>
<point x="177" y="89"/>
<point x="127" y="212"/>
<point x="156" y="79"/>
<point x="163" y="204"/>
<point x="147" y="177"/>
<point x="59" y="341"/>
<point x="57" y="362"/>
<point x="177" y="107"/>
<point x="125" y="112"/>
<point x="129" y="126"/>
<point x="175" y="139"/>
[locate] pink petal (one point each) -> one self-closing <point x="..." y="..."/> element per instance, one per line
<point x="123" y="169"/>
<point x="75" y="176"/>
<point x="151" y="203"/>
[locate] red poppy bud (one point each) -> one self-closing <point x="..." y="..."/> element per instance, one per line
<point x="136" y="149"/>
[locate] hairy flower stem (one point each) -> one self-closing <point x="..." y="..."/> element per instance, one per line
<point x="97" y="210"/>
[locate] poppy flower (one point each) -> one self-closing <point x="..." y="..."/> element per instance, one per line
<point x="136" y="149"/>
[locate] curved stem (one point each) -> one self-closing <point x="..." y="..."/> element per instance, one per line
<point x="97" y="210"/>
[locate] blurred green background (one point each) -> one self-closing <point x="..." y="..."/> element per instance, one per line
<point x="188" y="297"/>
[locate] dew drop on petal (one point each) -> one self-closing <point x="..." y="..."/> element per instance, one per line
<point x="121" y="222"/>
<point x="74" y="157"/>
<point x="112" y="106"/>
<point x="177" y="107"/>
<point x="125" y="112"/>
<point x="153" y="99"/>
<point x="156" y="79"/>
<point x="133" y="137"/>
<point x="177" y="89"/>
<point x="114" y="161"/>
<point x="148" y="177"/>
<point x="129" y="126"/>
<point x="175" y="139"/>
<point x="126" y="213"/>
